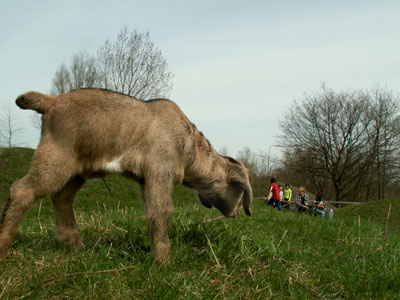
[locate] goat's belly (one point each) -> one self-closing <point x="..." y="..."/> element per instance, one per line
<point x="113" y="166"/>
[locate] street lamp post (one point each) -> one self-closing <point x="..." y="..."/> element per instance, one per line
<point x="269" y="152"/>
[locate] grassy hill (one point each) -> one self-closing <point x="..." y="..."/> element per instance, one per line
<point x="374" y="212"/>
<point x="14" y="163"/>
<point x="271" y="255"/>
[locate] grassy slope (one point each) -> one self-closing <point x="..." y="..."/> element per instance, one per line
<point x="13" y="164"/>
<point x="269" y="255"/>
<point x="375" y="212"/>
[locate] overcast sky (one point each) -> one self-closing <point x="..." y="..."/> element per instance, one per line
<point x="238" y="65"/>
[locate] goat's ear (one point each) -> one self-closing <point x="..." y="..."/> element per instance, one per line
<point x="247" y="196"/>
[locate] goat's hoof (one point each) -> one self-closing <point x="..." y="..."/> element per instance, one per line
<point x="78" y="246"/>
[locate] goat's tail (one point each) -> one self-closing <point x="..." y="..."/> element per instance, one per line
<point x="35" y="101"/>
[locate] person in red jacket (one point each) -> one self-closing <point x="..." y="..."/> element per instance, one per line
<point x="274" y="197"/>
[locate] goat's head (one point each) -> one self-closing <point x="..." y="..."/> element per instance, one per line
<point x="231" y="193"/>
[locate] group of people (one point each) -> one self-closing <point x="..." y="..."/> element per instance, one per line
<point x="277" y="195"/>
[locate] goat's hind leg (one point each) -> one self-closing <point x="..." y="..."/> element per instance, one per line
<point x="49" y="172"/>
<point x="22" y="196"/>
<point x="67" y="231"/>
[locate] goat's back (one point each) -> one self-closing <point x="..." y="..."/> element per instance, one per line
<point x="97" y="123"/>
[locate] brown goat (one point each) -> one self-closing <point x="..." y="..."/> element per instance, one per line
<point x="91" y="132"/>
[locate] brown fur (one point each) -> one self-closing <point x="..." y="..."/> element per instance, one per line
<point x="88" y="133"/>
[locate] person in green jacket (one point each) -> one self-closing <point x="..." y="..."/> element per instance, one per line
<point x="287" y="195"/>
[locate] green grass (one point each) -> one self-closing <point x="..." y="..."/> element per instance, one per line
<point x="374" y="212"/>
<point x="271" y="255"/>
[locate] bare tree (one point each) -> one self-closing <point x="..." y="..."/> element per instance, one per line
<point x="131" y="65"/>
<point x="385" y="138"/>
<point x="82" y="73"/>
<point x="262" y="162"/>
<point x="134" y="66"/>
<point x="9" y="127"/>
<point x="256" y="163"/>
<point x="301" y="168"/>
<point x="343" y="145"/>
<point x="249" y="159"/>
<point x="61" y="81"/>
<point x="331" y="130"/>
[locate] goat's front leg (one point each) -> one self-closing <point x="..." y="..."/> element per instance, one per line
<point x="67" y="231"/>
<point x="159" y="209"/>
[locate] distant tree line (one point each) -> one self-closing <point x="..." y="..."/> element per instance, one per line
<point x="344" y="146"/>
